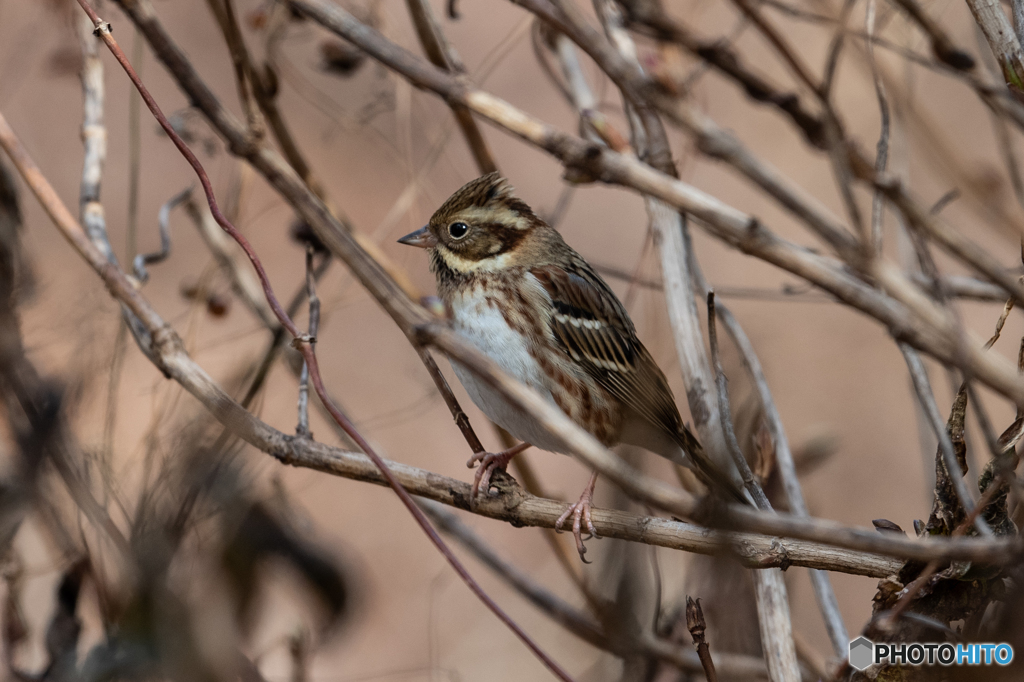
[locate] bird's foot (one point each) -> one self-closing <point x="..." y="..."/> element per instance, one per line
<point x="580" y="512"/>
<point x="489" y="463"/>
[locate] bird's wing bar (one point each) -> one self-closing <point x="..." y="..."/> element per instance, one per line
<point x="591" y="325"/>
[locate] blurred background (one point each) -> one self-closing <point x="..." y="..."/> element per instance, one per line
<point x="387" y="156"/>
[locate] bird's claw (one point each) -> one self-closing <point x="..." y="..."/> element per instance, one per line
<point x="580" y="512"/>
<point x="489" y="462"/>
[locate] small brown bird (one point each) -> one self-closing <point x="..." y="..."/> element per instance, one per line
<point x="526" y="299"/>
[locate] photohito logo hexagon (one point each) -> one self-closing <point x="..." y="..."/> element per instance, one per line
<point x="862" y="652"/>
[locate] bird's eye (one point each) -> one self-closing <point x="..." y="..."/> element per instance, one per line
<point x="458" y="230"/>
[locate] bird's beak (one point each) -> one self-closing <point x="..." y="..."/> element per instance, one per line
<point x="422" y="238"/>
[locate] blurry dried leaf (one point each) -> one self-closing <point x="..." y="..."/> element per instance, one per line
<point x="764" y="464"/>
<point x="1011" y="436"/>
<point x="302" y="233"/>
<point x="260" y="536"/>
<point x="668" y="68"/>
<point x="192" y="292"/>
<point x="996" y="513"/>
<point x="271" y="83"/>
<point x="814" y="453"/>
<point x="15" y="629"/>
<point x="65" y="61"/>
<point x="218" y="305"/>
<point x="341" y="57"/>
<point x="258" y="18"/>
<point x="947" y="512"/>
<point x="64" y="628"/>
<point x="887" y="526"/>
<point x="988" y="181"/>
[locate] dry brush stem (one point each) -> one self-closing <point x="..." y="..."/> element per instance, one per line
<point x="787" y="469"/>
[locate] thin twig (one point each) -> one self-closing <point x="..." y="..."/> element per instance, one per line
<point x="942" y="45"/>
<point x="696" y="625"/>
<point x="163" y="224"/>
<point x="224" y="12"/>
<point x="721" y="383"/>
<point x="443" y="55"/>
<point x="882" y="148"/>
<point x="927" y="399"/>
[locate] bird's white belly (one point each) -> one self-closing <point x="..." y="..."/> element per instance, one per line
<point x="483" y="325"/>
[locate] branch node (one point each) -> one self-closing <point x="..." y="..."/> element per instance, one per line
<point x="304" y="338"/>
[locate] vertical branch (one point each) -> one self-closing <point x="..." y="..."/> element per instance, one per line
<point x="882" y="149"/>
<point x="776" y="626"/>
<point x="722" y="386"/>
<point x="224" y="12"/>
<point x="91" y="213"/>
<point x="667" y="225"/>
<point x="314" y="327"/>
<point x="823" y="591"/>
<point x="94" y="139"/>
<point x="769" y="586"/>
<point x="131" y="229"/>
<point x="696" y="625"/>
<point x="1002" y="40"/>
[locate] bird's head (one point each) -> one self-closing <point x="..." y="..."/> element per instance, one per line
<point x="482" y="227"/>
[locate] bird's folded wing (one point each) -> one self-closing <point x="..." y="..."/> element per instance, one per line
<point x="591" y="325"/>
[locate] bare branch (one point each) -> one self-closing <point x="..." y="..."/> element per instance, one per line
<point x="924" y="394"/>
<point x="1003" y="41"/>
<point x="140" y="261"/>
